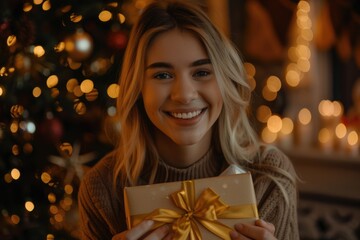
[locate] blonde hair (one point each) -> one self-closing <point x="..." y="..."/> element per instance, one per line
<point x="234" y="137"/>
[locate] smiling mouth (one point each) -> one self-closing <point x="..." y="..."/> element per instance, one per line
<point x="186" y="115"/>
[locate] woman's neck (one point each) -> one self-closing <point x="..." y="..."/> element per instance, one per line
<point x="181" y="156"/>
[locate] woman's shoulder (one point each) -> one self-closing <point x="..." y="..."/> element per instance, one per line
<point x="273" y="156"/>
<point x="99" y="176"/>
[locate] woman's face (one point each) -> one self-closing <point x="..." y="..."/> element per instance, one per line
<point x="180" y="92"/>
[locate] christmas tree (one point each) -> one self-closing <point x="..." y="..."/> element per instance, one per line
<point x="59" y="65"/>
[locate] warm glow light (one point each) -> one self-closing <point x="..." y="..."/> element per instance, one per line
<point x="53" y="209"/>
<point x="340" y="130"/>
<point x="304" y="116"/>
<point x="59" y="218"/>
<point x="68" y="201"/>
<point x="338" y="108"/>
<point x="304" y="22"/>
<point x="55" y="92"/>
<point x="77" y="91"/>
<point x="292" y="78"/>
<point x="113" y="90"/>
<point x="66" y="9"/>
<point x="59" y="47"/>
<point x="113" y="4"/>
<point x="324" y="135"/>
<point x="326" y="108"/>
<point x="73" y="64"/>
<point x="307" y="34"/>
<point x="36" y="92"/>
<point x="75" y="18"/>
<point x="268" y="95"/>
<point x="15" y="173"/>
<point x="52" y="81"/>
<point x="39" y="51"/>
<point x="27" y="7"/>
<point x="51" y="197"/>
<point x="121" y="18"/>
<point x="15" y="219"/>
<point x="105" y="16"/>
<point x="274" y="124"/>
<point x="268" y="136"/>
<point x="303" y="51"/>
<point x="38" y="2"/>
<point x="50" y="237"/>
<point x="87" y="86"/>
<point x="8" y="178"/>
<point x="292" y="54"/>
<point x="29" y="206"/>
<point x="263" y="113"/>
<point x="250" y="69"/>
<point x="352" y="138"/>
<point x="71" y="84"/>
<point x="304" y="6"/>
<point x="80" y="108"/>
<point x="287" y="126"/>
<point x="68" y="189"/>
<point x="273" y="83"/>
<point x="2" y="91"/>
<point x="3" y="71"/>
<point x="45" y="177"/>
<point x="303" y="64"/>
<point x="46" y="5"/>
<point x="11" y="40"/>
<point x="252" y="82"/>
<point x="14" y="127"/>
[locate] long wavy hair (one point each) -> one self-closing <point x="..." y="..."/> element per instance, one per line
<point x="233" y="135"/>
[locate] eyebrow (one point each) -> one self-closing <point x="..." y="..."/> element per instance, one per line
<point x="168" y="65"/>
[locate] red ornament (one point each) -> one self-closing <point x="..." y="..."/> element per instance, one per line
<point x="117" y="40"/>
<point x="51" y="130"/>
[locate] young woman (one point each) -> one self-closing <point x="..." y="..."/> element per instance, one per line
<point x="182" y="107"/>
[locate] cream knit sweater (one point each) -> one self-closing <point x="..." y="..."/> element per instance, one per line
<point x="102" y="212"/>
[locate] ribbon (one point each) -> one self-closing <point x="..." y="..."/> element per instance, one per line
<point x="206" y="210"/>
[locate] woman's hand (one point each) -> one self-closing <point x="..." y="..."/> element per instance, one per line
<point x="260" y="231"/>
<point x="142" y="231"/>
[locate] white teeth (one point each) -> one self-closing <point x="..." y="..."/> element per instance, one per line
<point x="186" y="115"/>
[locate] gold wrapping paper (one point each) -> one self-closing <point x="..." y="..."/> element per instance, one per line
<point x="198" y="209"/>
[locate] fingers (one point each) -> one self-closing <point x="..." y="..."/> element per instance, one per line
<point x="144" y="229"/>
<point x="269" y="226"/>
<point x="261" y="230"/>
<point x="159" y="233"/>
<point x="139" y="230"/>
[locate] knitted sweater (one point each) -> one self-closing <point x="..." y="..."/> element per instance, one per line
<point x="102" y="211"/>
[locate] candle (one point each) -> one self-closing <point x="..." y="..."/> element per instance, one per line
<point x="353" y="140"/>
<point x="304" y="128"/>
<point x="341" y="133"/>
<point x="325" y="140"/>
<point x="286" y="138"/>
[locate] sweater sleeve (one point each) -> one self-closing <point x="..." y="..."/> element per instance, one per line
<point x="92" y="223"/>
<point x="272" y="204"/>
<point x="100" y="210"/>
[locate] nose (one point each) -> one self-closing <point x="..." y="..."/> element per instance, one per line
<point x="184" y="90"/>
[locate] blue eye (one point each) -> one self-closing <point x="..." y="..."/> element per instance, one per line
<point x="163" y="75"/>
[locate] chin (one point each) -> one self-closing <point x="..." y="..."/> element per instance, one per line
<point x="186" y="141"/>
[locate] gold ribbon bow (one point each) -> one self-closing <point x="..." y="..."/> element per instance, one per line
<point x="206" y="210"/>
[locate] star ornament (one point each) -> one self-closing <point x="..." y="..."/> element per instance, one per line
<point x="72" y="161"/>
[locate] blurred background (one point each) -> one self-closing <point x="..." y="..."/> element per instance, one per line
<point x="59" y="65"/>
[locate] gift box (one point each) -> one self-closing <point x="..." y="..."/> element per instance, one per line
<point x="204" y="208"/>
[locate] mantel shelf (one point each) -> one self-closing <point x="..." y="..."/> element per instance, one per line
<point x="332" y="174"/>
